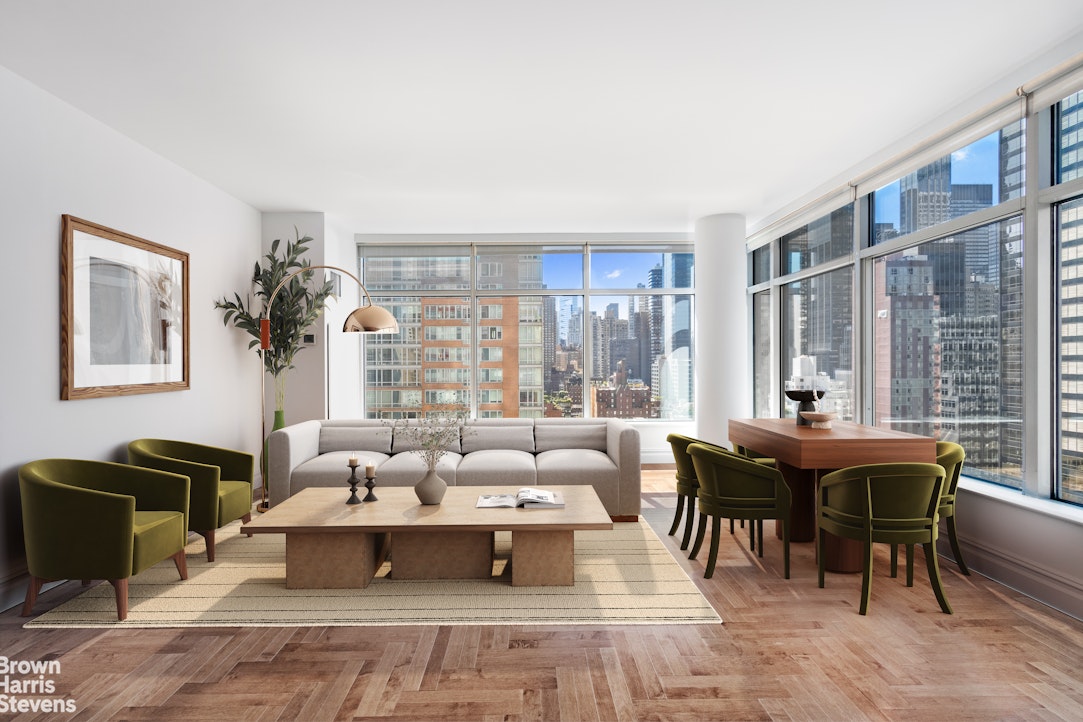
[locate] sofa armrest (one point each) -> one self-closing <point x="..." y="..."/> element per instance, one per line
<point x="288" y="448"/>
<point x="622" y="446"/>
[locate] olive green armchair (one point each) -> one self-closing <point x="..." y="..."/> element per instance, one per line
<point x="887" y="504"/>
<point x="732" y="486"/>
<point x="221" y="481"/>
<point x="100" y="520"/>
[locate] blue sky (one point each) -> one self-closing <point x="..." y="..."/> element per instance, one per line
<point x="976" y="163"/>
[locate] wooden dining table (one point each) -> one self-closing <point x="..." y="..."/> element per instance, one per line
<point x="804" y="454"/>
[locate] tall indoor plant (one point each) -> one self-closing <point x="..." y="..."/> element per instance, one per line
<point x="295" y="309"/>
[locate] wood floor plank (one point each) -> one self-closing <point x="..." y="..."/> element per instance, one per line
<point x="787" y="650"/>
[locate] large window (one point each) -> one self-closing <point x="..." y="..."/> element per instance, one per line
<point x="978" y="175"/>
<point x="546" y="330"/>
<point x="949" y="346"/>
<point x="932" y="314"/>
<point x="817" y="338"/>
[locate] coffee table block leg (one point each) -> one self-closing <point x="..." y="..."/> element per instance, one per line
<point x="442" y="555"/>
<point x="542" y="558"/>
<point x="332" y="560"/>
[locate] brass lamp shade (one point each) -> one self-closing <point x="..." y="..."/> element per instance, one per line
<point x="370" y="319"/>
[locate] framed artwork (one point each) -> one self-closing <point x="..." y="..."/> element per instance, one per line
<point x="123" y="315"/>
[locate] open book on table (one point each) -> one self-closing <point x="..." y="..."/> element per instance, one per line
<point x="526" y="497"/>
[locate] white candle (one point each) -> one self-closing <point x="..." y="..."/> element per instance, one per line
<point x="370" y="469"/>
<point x="353" y="460"/>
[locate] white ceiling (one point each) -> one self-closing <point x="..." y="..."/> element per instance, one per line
<point x="456" y="116"/>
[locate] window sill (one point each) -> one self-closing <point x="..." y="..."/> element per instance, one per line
<point x="1047" y="507"/>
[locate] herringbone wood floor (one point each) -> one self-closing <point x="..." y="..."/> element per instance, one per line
<point x="787" y="651"/>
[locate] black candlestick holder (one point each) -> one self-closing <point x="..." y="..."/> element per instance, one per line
<point x="353" y="481"/>
<point x="370" y="481"/>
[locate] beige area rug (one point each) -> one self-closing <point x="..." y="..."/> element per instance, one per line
<point x="623" y="576"/>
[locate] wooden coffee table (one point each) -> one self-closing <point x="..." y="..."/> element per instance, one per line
<point x="333" y="545"/>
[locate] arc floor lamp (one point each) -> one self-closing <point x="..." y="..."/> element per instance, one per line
<point x="366" y="319"/>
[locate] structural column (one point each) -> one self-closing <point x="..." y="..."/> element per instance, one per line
<point x="723" y="378"/>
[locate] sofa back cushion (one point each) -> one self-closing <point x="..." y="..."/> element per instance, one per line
<point x="569" y="434"/>
<point x="503" y="434"/>
<point x="402" y="442"/>
<point x="334" y="437"/>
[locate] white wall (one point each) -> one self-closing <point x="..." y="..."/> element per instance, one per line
<point x="56" y="160"/>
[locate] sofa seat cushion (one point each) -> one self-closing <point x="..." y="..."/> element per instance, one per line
<point x="234" y="501"/>
<point x="406" y="469"/>
<point x="581" y="466"/>
<point x="158" y="535"/>
<point x="497" y="467"/>
<point x="330" y="469"/>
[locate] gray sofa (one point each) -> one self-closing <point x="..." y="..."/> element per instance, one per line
<point x="508" y="452"/>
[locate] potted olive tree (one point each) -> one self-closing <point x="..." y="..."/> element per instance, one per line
<point x="296" y="307"/>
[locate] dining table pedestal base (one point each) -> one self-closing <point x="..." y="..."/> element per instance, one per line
<point x="840" y="555"/>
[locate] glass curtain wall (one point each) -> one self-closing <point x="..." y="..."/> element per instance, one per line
<point x="544" y="331"/>
<point x="938" y="260"/>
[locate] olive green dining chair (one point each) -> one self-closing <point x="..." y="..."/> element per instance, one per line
<point x="734" y="487"/>
<point x="951" y="456"/>
<point x="221" y="481"/>
<point x="89" y="520"/>
<point x="883" y="503"/>
<point x="687" y="485"/>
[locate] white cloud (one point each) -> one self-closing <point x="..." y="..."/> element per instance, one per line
<point x="616" y="273"/>
<point x="961" y="155"/>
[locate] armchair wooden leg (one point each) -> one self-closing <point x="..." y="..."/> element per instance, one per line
<point x="934" y="577"/>
<point x="182" y="564"/>
<point x="894" y="560"/>
<point x="909" y="565"/>
<point x="121" y="588"/>
<point x="677" y="516"/>
<point x="866" y="579"/>
<point x="689" y="517"/>
<point x="699" y="536"/>
<point x="954" y="539"/>
<point x="245" y="519"/>
<point x="32" y="590"/>
<point x="712" y="558"/>
<point x="209" y="536"/>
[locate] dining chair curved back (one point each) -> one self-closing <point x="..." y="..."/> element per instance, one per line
<point x="221" y="480"/>
<point x="733" y="487"/>
<point x="885" y="503"/>
<point x="85" y="519"/>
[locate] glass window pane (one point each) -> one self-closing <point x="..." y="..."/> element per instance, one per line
<point x="423" y="365"/>
<point x="1070" y="138"/>
<point x="641" y="356"/>
<point x="985" y="173"/>
<point x="415" y="269"/>
<point x="612" y="268"/>
<point x="947" y="336"/>
<point x="817" y="339"/>
<point x="530" y="267"/>
<point x="761" y="343"/>
<point x="761" y="264"/>
<point x="822" y="240"/>
<point x="1069" y="217"/>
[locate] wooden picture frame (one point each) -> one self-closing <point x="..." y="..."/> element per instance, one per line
<point x="123" y="314"/>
